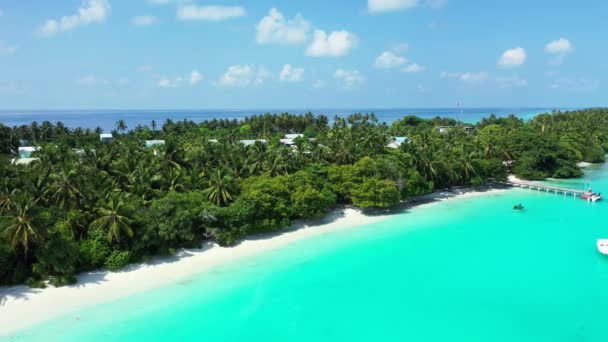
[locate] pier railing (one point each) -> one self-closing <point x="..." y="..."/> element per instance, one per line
<point x="546" y="188"/>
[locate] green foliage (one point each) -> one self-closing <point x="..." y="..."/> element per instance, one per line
<point x="374" y="193"/>
<point x="117" y="260"/>
<point x="12" y="268"/>
<point x="177" y="220"/>
<point x="416" y="185"/>
<point x="491" y="169"/>
<point x="108" y="204"/>
<point x="58" y="256"/>
<point x="309" y="202"/>
<point x="94" y="250"/>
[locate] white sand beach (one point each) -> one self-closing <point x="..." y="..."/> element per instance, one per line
<point x="21" y="307"/>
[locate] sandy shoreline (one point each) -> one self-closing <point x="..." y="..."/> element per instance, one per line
<point x="21" y="307"/>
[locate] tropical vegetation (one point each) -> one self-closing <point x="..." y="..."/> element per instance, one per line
<point x="85" y="204"/>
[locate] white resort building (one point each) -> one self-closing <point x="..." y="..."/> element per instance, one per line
<point x="104" y="138"/>
<point x="154" y="143"/>
<point x="289" y="139"/>
<point x="23" y="161"/>
<point x="445" y="129"/>
<point x="25" y="155"/>
<point x="397" y="142"/>
<point x="26" y="151"/>
<point x="252" y="142"/>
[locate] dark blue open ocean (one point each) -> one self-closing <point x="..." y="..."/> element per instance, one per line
<point x="106" y="119"/>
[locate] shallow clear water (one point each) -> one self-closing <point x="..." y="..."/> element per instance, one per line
<point x="463" y="270"/>
<point x="106" y="119"/>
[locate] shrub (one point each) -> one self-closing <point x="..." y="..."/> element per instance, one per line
<point x="118" y="260"/>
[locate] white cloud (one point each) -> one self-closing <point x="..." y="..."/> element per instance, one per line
<point x="559" y="46"/>
<point x="512" y="58"/>
<point x="209" y="13"/>
<point x="6" y="49"/>
<point x="144" y="68"/>
<point x="166" y="83"/>
<point x="123" y="81"/>
<point x="414" y="68"/>
<point x="274" y="28"/>
<point x="195" y="77"/>
<point x="244" y="76"/>
<point x="391" y="60"/>
<point x="482" y="77"/>
<point x="379" y="6"/>
<point x="13" y="88"/>
<point x="560" y="49"/>
<point x="319" y="84"/>
<point x="92" y="11"/>
<point x="388" y="60"/>
<point x="291" y="74"/>
<point x="1" y="12"/>
<point x="437" y="4"/>
<point x="422" y="89"/>
<point x="159" y="2"/>
<point x="474" y="76"/>
<point x="144" y="20"/>
<point x="468" y="77"/>
<point x="87" y="81"/>
<point x="575" y="84"/>
<point x="337" y="43"/>
<point x="511" y="82"/>
<point x="348" y="79"/>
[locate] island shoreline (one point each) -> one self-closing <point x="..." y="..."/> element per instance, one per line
<point x="22" y="307"/>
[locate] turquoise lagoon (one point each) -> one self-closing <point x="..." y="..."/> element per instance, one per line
<point x="469" y="269"/>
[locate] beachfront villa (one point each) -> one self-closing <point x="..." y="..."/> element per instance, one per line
<point x="26" y="151"/>
<point x="445" y="129"/>
<point x="290" y="139"/>
<point x="288" y="142"/>
<point x="23" y="161"/>
<point x="154" y="143"/>
<point x="252" y="142"/>
<point x="107" y="137"/>
<point x="397" y="142"/>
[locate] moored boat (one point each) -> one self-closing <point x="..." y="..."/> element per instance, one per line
<point x="602" y="246"/>
<point x="591" y="197"/>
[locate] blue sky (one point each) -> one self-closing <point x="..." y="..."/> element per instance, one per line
<point x="144" y="54"/>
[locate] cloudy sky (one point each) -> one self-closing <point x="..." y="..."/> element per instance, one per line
<point x="145" y="54"/>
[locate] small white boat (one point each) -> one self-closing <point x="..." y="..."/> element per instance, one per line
<point x="591" y="197"/>
<point x="602" y="246"/>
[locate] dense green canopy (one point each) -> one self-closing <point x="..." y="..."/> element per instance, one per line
<point x="87" y="204"/>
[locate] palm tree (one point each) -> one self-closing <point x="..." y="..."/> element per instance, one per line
<point x="256" y="160"/>
<point x="113" y="217"/>
<point x="277" y="164"/>
<point x="7" y="194"/>
<point x="64" y="189"/>
<point x="221" y="188"/>
<point x="21" y="229"/>
<point x="121" y="125"/>
<point x="466" y="163"/>
<point x="153" y="125"/>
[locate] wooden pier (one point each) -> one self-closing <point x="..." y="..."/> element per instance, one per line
<point x="546" y="188"/>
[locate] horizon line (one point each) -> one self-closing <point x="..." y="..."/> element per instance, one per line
<point x="299" y="109"/>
